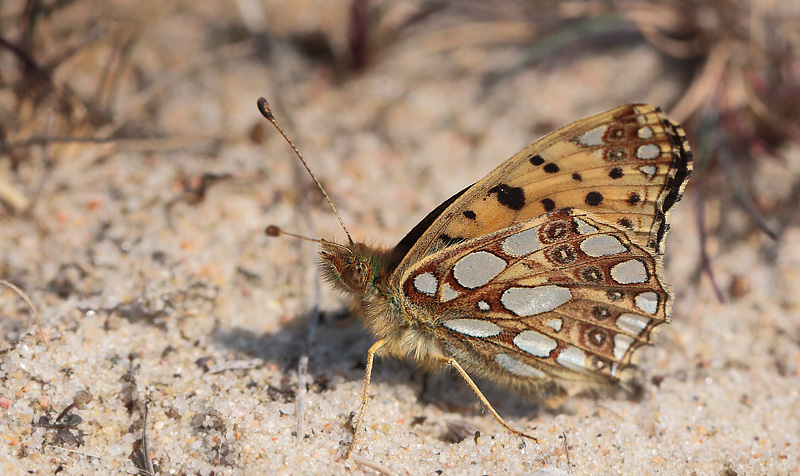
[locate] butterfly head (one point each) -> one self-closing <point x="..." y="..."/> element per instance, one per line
<point x="349" y="268"/>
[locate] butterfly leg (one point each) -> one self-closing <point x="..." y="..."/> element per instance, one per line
<point x="488" y="406"/>
<point x="376" y="347"/>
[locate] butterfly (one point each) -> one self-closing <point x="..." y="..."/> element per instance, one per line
<point x="546" y="270"/>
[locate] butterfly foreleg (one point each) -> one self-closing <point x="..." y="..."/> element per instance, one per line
<point x="484" y="401"/>
<point x="373" y="351"/>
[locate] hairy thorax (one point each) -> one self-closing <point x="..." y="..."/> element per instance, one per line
<point x="363" y="274"/>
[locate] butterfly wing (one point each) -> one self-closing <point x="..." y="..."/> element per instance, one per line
<point x="628" y="165"/>
<point x="564" y="295"/>
<point x="550" y="266"/>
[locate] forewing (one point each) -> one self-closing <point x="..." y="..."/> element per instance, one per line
<point x="564" y="295"/>
<point x="628" y="166"/>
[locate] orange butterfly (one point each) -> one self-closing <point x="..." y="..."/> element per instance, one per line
<point x="547" y="269"/>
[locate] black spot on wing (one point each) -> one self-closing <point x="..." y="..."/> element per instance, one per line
<point x="548" y="204"/>
<point x="577" y="177"/>
<point x="634" y="198"/>
<point x="537" y="160"/>
<point x="469" y="214"/>
<point x="594" y="198"/>
<point x="626" y="223"/>
<point x="551" y="168"/>
<point x="511" y="197"/>
<point x="616" y="173"/>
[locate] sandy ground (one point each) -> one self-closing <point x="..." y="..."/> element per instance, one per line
<point x="148" y="294"/>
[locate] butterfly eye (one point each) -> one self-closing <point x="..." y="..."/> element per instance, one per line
<point x="355" y="275"/>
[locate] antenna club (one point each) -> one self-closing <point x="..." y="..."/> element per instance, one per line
<point x="265" y="109"/>
<point x="273" y="230"/>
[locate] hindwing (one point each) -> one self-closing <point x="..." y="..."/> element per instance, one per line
<point x="564" y="295"/>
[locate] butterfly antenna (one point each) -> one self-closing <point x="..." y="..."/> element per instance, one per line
<point x="275" y="231"/>
<point x="266" y="111"/>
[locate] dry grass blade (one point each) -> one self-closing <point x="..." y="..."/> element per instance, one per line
<point x="148" y="462"/>
<point x="82" y="453"/>
<point x="27" y="299"/>
<point x="479" y="34"/>
<point x="12" y="198"/>
<point x="725" y="157"/>
<point x="302" y="365"/>
<point x="703" y="85"/>
<point x="705" y="259"/>
<point x="380" y="469"/>
<point x="581" y="31"/>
